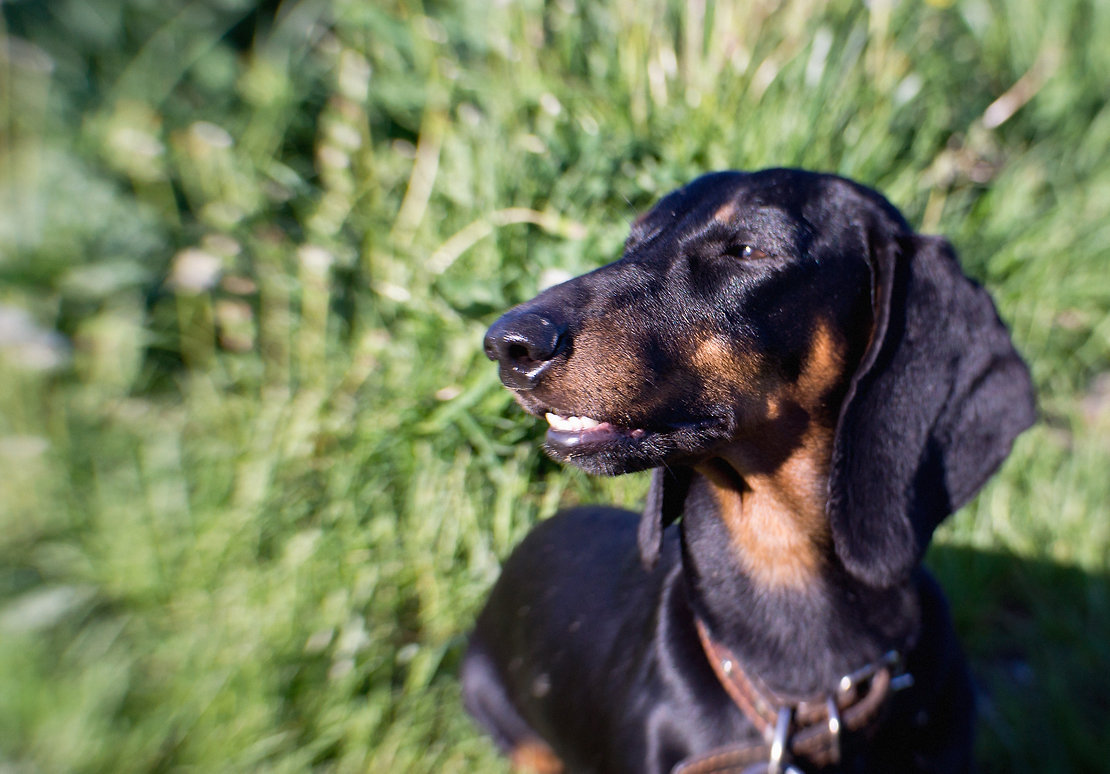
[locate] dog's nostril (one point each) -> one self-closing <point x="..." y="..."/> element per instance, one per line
<point x="519" y="353"/>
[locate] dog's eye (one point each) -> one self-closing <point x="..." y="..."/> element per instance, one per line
<point x="747" y="252"/>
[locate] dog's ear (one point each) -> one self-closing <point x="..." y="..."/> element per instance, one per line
<point x="932" y="410"/>
<point x="666" y="497"/>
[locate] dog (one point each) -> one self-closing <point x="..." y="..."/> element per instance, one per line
<point x="816" y="388"/>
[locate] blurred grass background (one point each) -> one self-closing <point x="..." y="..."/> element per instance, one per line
<point x="255" y="475"/>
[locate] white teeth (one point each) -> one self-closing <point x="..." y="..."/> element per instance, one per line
<point x="570" y="424"/>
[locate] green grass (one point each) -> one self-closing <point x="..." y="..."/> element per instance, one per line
<point x="255" y="474"/>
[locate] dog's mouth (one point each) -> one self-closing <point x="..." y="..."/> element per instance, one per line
<point x="600" y="446"/>
<point x="606" y="447"/>
<point x="574" y="431"/>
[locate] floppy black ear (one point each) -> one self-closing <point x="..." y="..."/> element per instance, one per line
<point x="931" y="412"/>
<point x="665" y="500"/>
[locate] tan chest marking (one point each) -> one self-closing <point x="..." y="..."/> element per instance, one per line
<point x="777" y="524"/>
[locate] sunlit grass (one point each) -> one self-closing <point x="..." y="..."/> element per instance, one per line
<point x="256" y="473"/>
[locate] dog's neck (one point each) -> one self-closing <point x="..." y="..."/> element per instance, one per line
<point x="775" y="518"/>
<point x="790" y="611"/>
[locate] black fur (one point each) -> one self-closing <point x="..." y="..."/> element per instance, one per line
<point x="587" y="642"/>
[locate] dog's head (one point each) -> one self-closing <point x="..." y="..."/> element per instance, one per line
<point x="756" y="314"/>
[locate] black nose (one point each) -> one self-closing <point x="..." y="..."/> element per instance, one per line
<point x="524" y="344"/>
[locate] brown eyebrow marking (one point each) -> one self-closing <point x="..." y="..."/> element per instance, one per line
<point x="726" y="212"/>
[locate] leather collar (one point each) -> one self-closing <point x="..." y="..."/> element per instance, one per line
<point x="793" y="728"/>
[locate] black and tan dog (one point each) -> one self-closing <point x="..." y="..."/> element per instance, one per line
<point x="817" y="387"/>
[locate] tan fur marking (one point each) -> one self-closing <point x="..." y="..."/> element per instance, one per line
<point x="824" y="367"/>
<point x="535" y="757"/>
<point x="777" y="520"/>
<point x="723" y="371"/>
<point x="776" y="517"/>
<point x="773" y="407"/>
<point x="726" y="212"/>
<point x="713" y="355"/>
